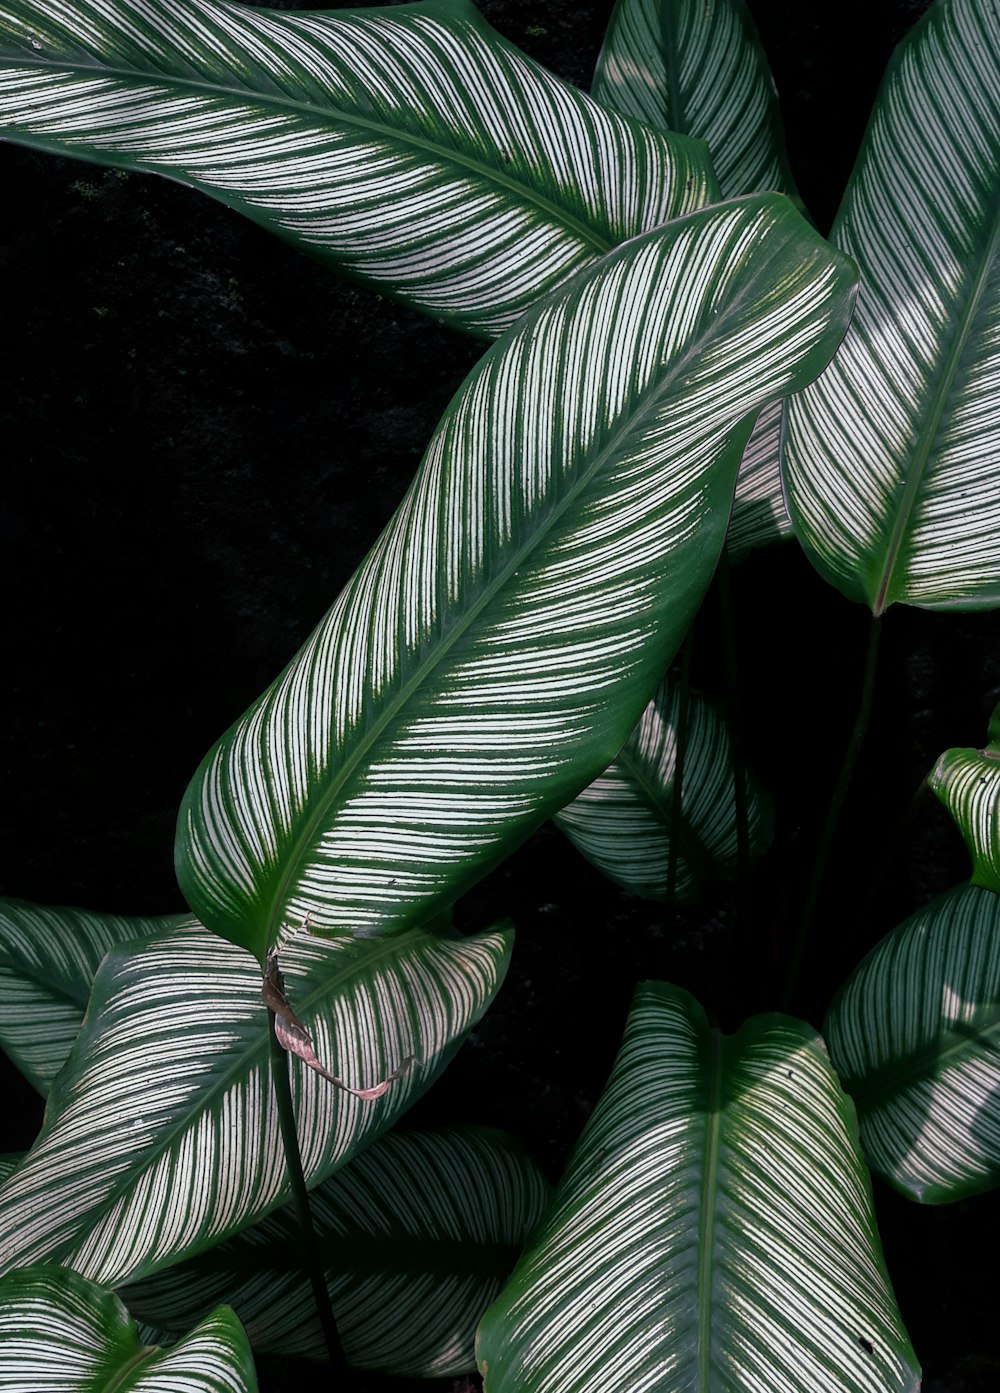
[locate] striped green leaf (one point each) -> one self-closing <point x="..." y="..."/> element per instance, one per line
<point x="893" y="455"/>
<point x="624" y="821"/>
<point x="62" y="1334"/>
<point x="697" y="66"/>
<point x="968" y="784"/>
<point x="48" y="958"/>
<point x="160" y="1135"/>
<point x="410" y="146"/>
<point x="714" y="1229"/>
<point x="491" y="655"/>
<point x="915" y="1037"/>
<point x="417" y="1234"/>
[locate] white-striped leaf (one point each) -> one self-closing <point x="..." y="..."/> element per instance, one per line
<point x="417" y="1234"/>
<point x="410" y="145"/>
<point x="915" y="1037"/>
<point x="968" y="784"/>
<point x="698" y="66"/>
<point x="491" y="655"/>
<point x="893" y="456"/>
<point x="714" y="1229"/>
<point x="48" y="958"/>
<point x="161" y="1135"/>
<point x="624" y="821"/>
<point x="62" y="1334"/>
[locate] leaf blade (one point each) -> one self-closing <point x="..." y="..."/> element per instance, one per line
<point x="696" y="1239"/>
<point x="417" y="1235"/>
<point x="915" y="1035"/>
<point x="891" y="455"/>
<point x="552" y="547"/>
<point x="966" y="783"/>
<point x="410" y="146"/>
<point x="161" y="1134"/>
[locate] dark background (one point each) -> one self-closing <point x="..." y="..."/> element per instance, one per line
<point x="206" y="432"/>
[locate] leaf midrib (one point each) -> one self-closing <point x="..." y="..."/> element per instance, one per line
<point x="939" y="402"/>
<point x="295" y="853"/>
<point x="684" y="831"/>
<point x="323" y="116"/>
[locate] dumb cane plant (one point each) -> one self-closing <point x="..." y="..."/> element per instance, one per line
<point x="663" y="393"/>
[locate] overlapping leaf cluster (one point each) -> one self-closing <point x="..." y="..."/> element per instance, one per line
<point x="656" y="395"/>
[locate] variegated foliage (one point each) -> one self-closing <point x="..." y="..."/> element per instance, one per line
<point x="714" y="1229"/>
<point x="697" y="66"/>
<point x="893" y="456"/>
<point x="624" y="821"/>
<point x="62" y="1334"/>
<point x="48" y="958"/>
<point x="915" y="1036"/>
<point x="491" y="655"/>
<point x="411" y="145"/>
<point x="968" y="784"/>
<point x="417" y="1236"/>
<point x="161" y="1135"/>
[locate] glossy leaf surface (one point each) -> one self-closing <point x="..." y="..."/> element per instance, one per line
<point x="624" y="821"/>
<point x="697" y="66"/>
<point x="714" y="1229"/>
<point x="491" y="655"/>
<point x="48" y="958"/>
<point x="410" y="145"/>
<point x="915" y="1037"/>
<point x="418" y="1234"/>
<point x="968" y="784"/>
<point x="893" y="456"/>
<point x="161" y="1135"/>
<point x="63" y="1334"/>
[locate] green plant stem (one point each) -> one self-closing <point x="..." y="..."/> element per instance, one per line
<point x="734" y="723"/>
<point x="832" y="822"/>
<point x="684" y="704"/>
<point x="311" y="1260"/>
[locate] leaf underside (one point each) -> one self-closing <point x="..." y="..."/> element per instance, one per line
<point x="714" y="1229"/>
<point x="915" y="1037"/>
<point x="893" y="455"/>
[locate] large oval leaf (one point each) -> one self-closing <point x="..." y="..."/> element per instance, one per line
<point x="62" y="1334"/>
<point x="624" y="821"/>
<point x="714" y="1229"/>
<point x="48" y="958"/>
<point x="411" y="146"/>
<point x="417" y="1236"/>
<point x="915" y="1036"/>
<point x="893" y="455"/>
<point x="697" y="66"/>
<point x="968" y="784"/>
<point x="161" y="1136"/>
<point x="493" y="652"/>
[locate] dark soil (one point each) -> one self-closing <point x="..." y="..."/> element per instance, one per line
<point x="207" y="432"/>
